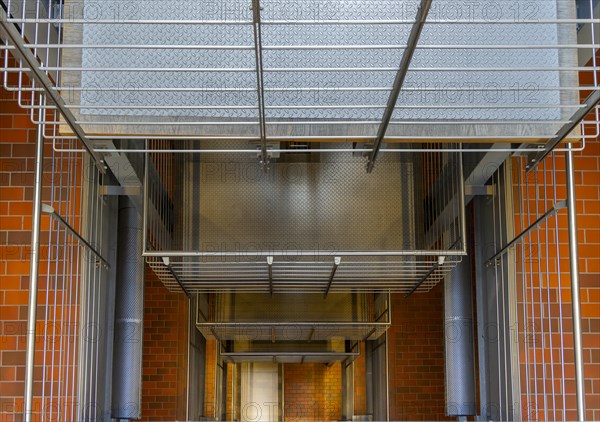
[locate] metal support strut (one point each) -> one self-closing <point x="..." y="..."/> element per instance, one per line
<point x="256" y="24"/>
<point x="411" y="46"/>
<point x="576" y="304"/>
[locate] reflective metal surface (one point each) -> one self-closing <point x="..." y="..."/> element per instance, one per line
<point x="315" y="222"/>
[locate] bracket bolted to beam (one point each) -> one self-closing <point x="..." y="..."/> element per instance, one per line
<point x="438" y="264"/>
<point x="270" y="265"/>
<point x="336" y="263"/>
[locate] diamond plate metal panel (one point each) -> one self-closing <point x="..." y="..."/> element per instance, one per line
<point x="295" y="35"/>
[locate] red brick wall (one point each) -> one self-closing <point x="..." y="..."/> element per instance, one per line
<point x="165" y="341"/>
<point x="587" y="165"/>
<point x="587" y="177"/>
<point x="17" y="147"/>
<point x="17" y="136"/>
<point x="165" y="352"/>
<point x="360" y="386"/>
<point x="532" y="355"/>
<point x="312" y="391"/>
<point x="416" y="356"/>
<point x="209" y="378"/>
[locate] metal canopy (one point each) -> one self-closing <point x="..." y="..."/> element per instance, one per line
<point x="317" y="223"/>
<point x="313" y="70"/>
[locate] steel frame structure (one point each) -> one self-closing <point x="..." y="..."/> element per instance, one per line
<point x="46" y="87"/>
<point x="273" y="270"/>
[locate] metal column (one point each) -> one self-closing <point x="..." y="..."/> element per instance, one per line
<point x="34" y="268"/>
<point x="129" y="312"/>
<point x="574" y="258"/>
<point x="459" y="344"/>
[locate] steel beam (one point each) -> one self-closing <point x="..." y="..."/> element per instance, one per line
<point x="256" y="25"/>
<point x="411" y="46"/>
<point x="588" y="105"/>
<point x="15" y="38"/>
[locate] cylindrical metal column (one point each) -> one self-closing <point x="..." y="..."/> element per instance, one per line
<point x="574" y="263"/>
<point x="129" y="313"/>
<point x="459" y="350"/>
<point x="34" y="267"/>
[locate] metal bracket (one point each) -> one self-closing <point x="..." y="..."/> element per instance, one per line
<point x="167" y="261"/>
<point x="270" y="265"/>
<point x="361" y="145"/>
<point x="264" y="158"/>
<point x="110" y="190"/>
<point x="473" y="190"/>
<point x="438" y="264"/>
<point x="336" y="263"/>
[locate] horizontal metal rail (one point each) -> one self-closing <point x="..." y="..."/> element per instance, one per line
<point x="318" y="107"/>
<point x="287" y="354"/>
<point x="524" y="88"/>
<point x="320" y="253"/>
<point x="433" y="47"/>
<point x="294" y="323"/>
<point x="299" y="21"/>
<point x="319" y="122"/>
<point x="319" y="47"/>
<point x="299" y="69"/>
<point x="303" y="151"/>
<point x="272" y="138"/>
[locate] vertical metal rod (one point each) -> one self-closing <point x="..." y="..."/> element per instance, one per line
<point x="497" y="222"/>
<point x="576" y="305"/>
<point x="462" y="213"/>
<point x="524" y="287"/>
<point x="387" y="377"/>
<point x="559" y="295"/>
<point x="34" y="269"/>
<point x="145" y="201"/>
